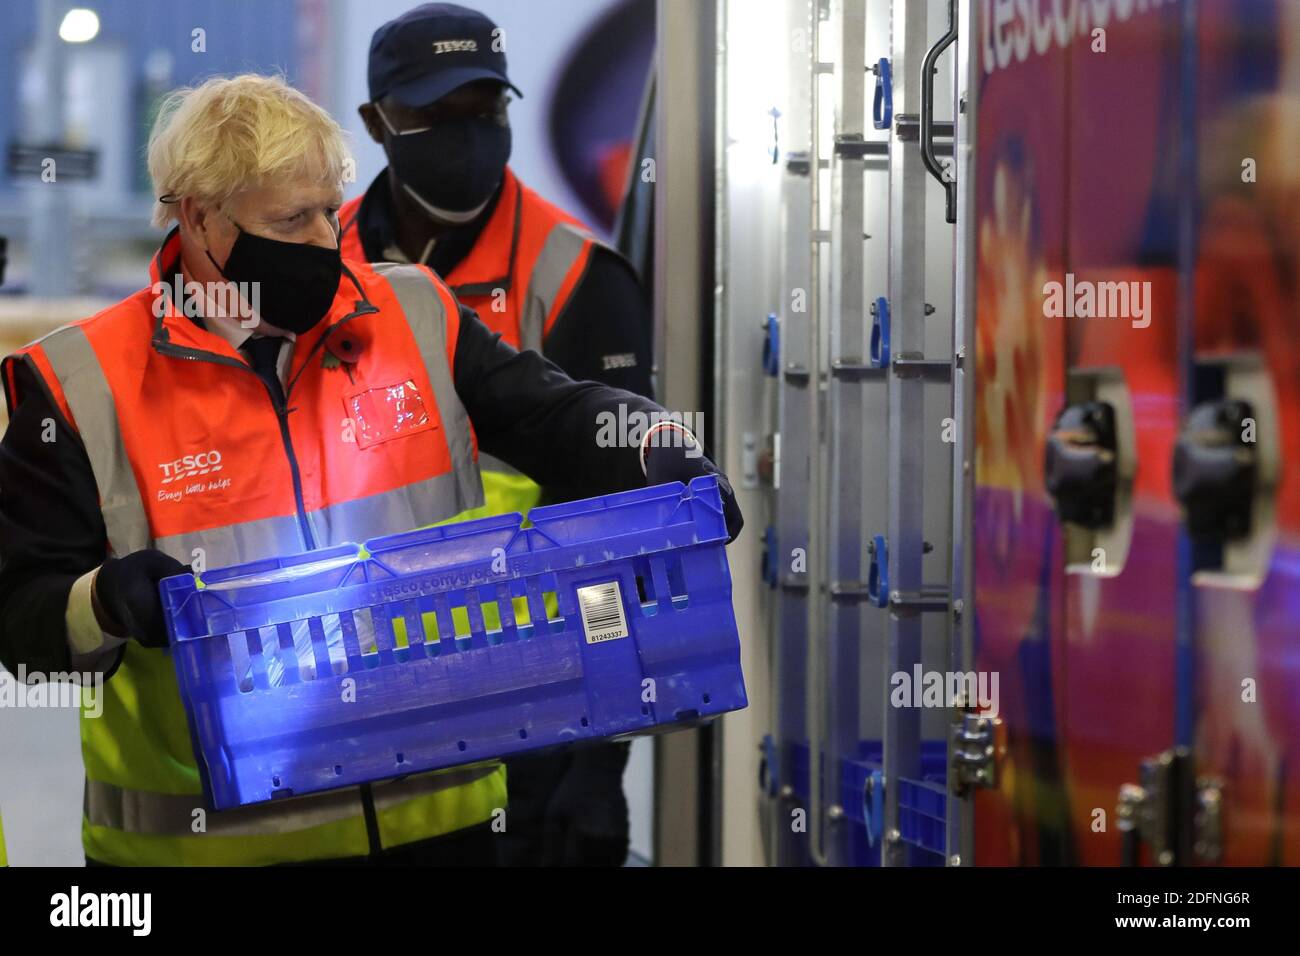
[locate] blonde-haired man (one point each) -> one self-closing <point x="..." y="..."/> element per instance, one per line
<point x="205" y="416"/>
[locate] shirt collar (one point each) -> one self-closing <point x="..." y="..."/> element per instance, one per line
<point x="232" y="329"/>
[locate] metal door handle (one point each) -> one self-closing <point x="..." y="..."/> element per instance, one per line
<point x="1080" y="469"/>
<point x="1214" y="471"/>
<point x="946" y="180"/>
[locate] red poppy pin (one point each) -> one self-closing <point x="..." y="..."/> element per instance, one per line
<point x="341" y="349"/>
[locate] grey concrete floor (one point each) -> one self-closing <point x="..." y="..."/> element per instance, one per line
<point x="41" y="781"/>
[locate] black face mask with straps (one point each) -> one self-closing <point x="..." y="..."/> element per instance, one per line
<point x="455" y="164"/>
<point x="296" y="281"/>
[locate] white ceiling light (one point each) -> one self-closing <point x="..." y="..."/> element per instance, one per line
<point x="79" y="25"/>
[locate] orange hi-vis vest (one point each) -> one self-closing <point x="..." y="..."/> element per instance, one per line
<point x="193" y="457"/>
<point x="519" y="277"/>
<point x="523" y="268"/>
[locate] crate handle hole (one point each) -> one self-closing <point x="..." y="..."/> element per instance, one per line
<point x="677" y="582"/>
<point x="551" y="602"/>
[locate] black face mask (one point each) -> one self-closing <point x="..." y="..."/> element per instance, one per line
<point x="296" y="281"/>
<point x="454" y="165"/>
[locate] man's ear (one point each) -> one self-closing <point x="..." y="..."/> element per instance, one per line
<point x="374" y="125"/>
<point x="194" y="215"/>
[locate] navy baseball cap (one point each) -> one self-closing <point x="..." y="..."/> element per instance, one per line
<point x="432" y="50"/>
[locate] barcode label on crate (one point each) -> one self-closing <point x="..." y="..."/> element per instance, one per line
<point x="602" y="612"/>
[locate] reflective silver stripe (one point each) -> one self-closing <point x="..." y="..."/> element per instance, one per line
<point x="91" y="401"/>
<point x="148" y="813"/>
<point x="392" y="512"/>
<point x="174" y="814"/>
<point x="427" y="318"/>
<point x="394" y="792"/>
<point x="235" y="543"/>
<point x="562" y="249"/>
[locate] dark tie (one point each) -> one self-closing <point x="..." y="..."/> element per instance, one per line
<point x="263" y="353"/>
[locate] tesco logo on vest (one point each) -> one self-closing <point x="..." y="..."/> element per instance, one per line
<point x="191" y="466"/>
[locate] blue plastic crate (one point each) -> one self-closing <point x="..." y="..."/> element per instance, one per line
<point x="922" y="813"/>
<point x="294" y="681"/>
<point x="922" y="807"/>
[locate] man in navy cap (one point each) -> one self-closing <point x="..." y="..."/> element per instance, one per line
<point x="439" y="93"/>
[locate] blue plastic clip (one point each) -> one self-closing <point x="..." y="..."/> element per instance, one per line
<point x="873" y="806"/>
<point x="880" y="333"/>
<point x="772" y="345"/>
<point x="882" y="107"/>
<point x="878" y="573"/>
<point x="769" y="556"/>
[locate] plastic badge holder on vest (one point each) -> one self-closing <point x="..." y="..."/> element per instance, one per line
<point x="294" y="682"/>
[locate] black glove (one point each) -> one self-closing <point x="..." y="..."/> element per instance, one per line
<point x="667" y="463"/>
<point x="126" y="595"/>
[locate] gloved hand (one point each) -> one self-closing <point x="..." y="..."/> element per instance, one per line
<point x="125" y="596"/>
<point x="673" y="460"/>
